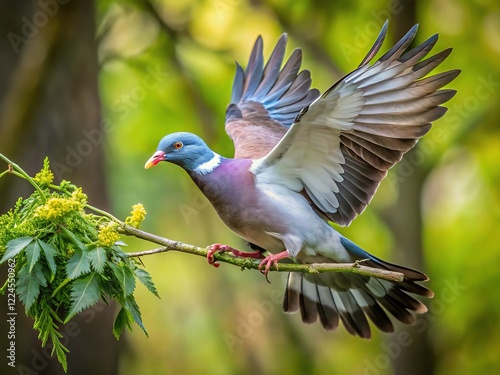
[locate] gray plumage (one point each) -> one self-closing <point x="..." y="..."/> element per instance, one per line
<point x="302" y="160"/>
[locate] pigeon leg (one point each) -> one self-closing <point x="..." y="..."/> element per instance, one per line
<point x="225" y="248"/>
<point x="270" y="260"/>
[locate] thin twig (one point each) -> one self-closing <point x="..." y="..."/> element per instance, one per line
<point x="21" y="173"/>
<point x="245" y="263"/>
<point x="104" y="213"/>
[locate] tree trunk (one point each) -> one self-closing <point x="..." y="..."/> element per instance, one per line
<point x="49" y="106"/>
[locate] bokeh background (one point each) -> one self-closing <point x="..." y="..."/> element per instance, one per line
<point x="95" y="84"/>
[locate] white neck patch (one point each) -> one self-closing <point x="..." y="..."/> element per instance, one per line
<point x="209" y="166"/>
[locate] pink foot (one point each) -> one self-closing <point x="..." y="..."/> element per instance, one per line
<point x="217" y="247"/>
<point x="272" y="260"/>
<point x="248" y="254"/>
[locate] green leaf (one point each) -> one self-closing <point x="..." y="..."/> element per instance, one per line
<point x="98" y="259"/>
<point x="28" y="284"/>
<point x="15" y="246"/>
<point x="126" y="279"/>
<point x="76" y="241"/>
<point x="123" y="319"/>
<point x="84" y="293"/>
<point x="49" y="252"/>
<point x="133" y="309"/>
<point x="32" y="254"/>
<point x="146" y="280"/>
<point x="45" y="321"/>
<point x="61" y="351"/>
<point x="78" y="264"/>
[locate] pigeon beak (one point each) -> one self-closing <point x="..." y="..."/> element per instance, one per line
<point x="155" y="159"/>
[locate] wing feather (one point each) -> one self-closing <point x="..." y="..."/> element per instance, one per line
<point x="266" y="99"/>
<point x="256" y="66"/>
<point x="341" y="146"/>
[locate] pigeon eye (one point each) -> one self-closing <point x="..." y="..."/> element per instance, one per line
<point x="178" y="145"/>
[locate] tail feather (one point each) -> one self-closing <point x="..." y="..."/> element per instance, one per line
<point x="351" y="298"/>
<point x="352" y="312"/>
<point x="326" y="308"/>
<point x="408" y="302"/>
<point x="373" y="310"/>
<point x="308" y="302"/>
<point x="291" y="299"/>
<point x="396" y="310"/>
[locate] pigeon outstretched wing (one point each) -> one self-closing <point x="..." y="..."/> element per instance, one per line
<point x="341" y="146"/>
<point x="266" y="99"/>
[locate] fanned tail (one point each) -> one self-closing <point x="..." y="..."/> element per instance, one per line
<point x="353" y="299"/>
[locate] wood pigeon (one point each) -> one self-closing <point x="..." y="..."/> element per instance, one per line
<point x="303" y="160"/>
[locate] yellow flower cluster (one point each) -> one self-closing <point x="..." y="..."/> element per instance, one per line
<point x="45" y="176"/>
<point x="79" y="196"/>
<point x="137" y="215"/>
<point x="108" y="234"/>
<point x="57" y="207"/>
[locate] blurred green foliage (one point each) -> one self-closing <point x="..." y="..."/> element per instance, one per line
<point x="172" y="70"/>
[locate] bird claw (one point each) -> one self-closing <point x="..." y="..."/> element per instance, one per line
<point x="269" y="261"/>
<point x="216" y="247"/>
<point x="213" y="249"/>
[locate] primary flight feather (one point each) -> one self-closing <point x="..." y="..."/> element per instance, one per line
<point x="302" y="160"/>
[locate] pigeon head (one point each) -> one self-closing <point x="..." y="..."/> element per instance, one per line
<point x="187" y="151"/>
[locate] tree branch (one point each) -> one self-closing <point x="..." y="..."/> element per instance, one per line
<point x="245" y="263"/>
